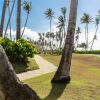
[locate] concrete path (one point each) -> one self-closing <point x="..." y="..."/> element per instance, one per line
<point x="44" y="65"/>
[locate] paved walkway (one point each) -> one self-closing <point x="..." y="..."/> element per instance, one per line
<point x="44" y="65"/>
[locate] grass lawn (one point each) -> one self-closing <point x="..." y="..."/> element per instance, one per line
<point x="23" y="67"/>
<point x="85" y="83"/>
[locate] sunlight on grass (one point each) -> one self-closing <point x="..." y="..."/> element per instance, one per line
<point x="85" y="83"/>
<point x="23" y="67"/>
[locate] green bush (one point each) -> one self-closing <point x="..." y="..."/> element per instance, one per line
<point x="18" y="51"/>
<point x="87" y="51"/>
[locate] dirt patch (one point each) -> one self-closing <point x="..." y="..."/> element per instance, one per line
<point x="89" y="60"/>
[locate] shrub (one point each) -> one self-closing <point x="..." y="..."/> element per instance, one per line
<point x="87" y="51"/>
<point x="18" y="51"/>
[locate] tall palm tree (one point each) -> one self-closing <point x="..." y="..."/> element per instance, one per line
<point x="86" y="19"/>
<point x="27" y="7"/>
<point x="63" y="72"/>
<point x="18" y="21"/>
<point x="78" y="31"/>
<point x="63" y="11"/>
<point x="3" y="17"/>
<point x="97" y="21"/>
<point x="61" y="28"/>
<point x="10" y="15"/>
<point x="49" y="14"/>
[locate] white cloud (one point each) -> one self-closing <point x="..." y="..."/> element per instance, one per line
<point x="91" y="35"/>
<point x="28" y="33"/>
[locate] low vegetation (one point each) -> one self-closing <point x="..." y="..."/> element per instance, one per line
<point x="84" y="84"/>
<point x="20" y="53"/>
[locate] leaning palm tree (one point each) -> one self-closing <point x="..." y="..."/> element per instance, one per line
<point x="86" y="19"/>
<point x="3" y="17"/>
<point x="63" y="73"/>
<point x="27" y="7"/>
<point x="49" y="14"/>
<point x="10" y="15"/>
<point x="61" y="28"/>
<point x="18" y="21"/>
<point x="97" y="21"/>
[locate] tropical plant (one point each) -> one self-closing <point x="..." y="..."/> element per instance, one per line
<point x="86" y="19"/>
<point x="10" y="15"/>
<point x="97" y="21"/>
<point x="3" y="17"/>
<point x="18" y="21"/>
<point x="49" y="13"/>
<point x="27" y="7"/>
<point x="63" y="72"/>
<point x="78" y="31"/>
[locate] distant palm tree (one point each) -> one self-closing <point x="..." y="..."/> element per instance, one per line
<point x="63" y="11"/>
<point x="61" y="28"/>
<point x="78" y="31"/>
<point x="3" y="17"/>
<point x="18" y="21"/>
<point x="49" y="14"/>
<point x="86" y="19"/>
<point x="63" y="73"/>
<point x="97" y="21"/>
<point x="27" y="7"/>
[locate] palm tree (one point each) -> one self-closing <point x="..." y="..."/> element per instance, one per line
<point x="18" y="26"/>
<point x="63" y="73"/>
<point x="27" y="7"/>
<point x="86" y="19"/>
<point x="63" y="11"/>
<point x="3" y="17"/>
<point x="97" y="21"/>
<point x="10" y="15"/>
<point x="78" y="31"/>
<point x="49" y="14"/>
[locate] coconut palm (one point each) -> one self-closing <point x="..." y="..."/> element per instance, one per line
<point x="61" y="27"/>
<point x="63" y="11"/>
<point x="86" y="19"/>
<point x="63" y="73"/>
<point x="3" y="17"/>
<point x="78" y="31"/>
<point x="10" y="15"/>
<point x="97" y="21"/>
<point x="27" y="7"/>
<point x="49" y="14"/>
<point x="18" y="21"/>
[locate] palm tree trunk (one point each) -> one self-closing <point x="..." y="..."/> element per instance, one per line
<point x="94" y="38"/>
<point x="3" y="18"/>
<point x="18" y="26"/>
<point x="63" y="73"/>
<point x="50" y="24"/>
<point x="10" y="86"/>
<point x="25" y="24"/>
<point x="87" y="36"/>
<point x="9" y="18"/>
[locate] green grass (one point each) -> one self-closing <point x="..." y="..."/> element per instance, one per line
<point x="84" y="85"/>
<point x="23" y="67"/>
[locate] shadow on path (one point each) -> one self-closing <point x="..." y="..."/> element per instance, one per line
<point x="56" y="91"/>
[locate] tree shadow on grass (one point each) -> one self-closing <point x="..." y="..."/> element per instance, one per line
<point x="56" y="91"/>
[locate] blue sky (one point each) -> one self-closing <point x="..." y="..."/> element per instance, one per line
<point x="37" y="21"/>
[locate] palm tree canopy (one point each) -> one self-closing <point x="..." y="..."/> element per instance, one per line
<point x="49" y="13"/>
<point x="63" y="10"/>
<point x="78" y="30"/>
<point x="27" y="6"/>
<point x="97" y="20"/>
<point x="86" y="18"/>
<point x="60" y="22"/>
